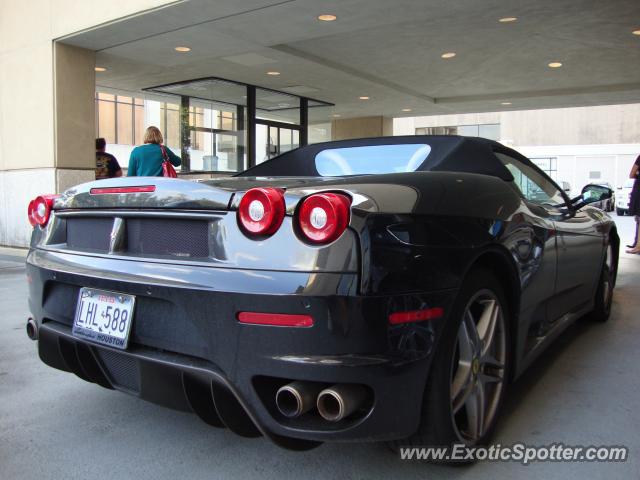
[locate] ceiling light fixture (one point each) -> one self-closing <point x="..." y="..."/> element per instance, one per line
<point x="505" y="103"/>
<point x="327" y="17"/>
<point x="508" y="19"/>
<point x="273" y="73"/>
<point x="448" y="55"/>
<point x="406" y="109"/>
<point x="636" y="32"/>
<point x="364" y="97"/>
<point x="336" y="115"/>
<point x="555" y="65"/>
<point x="182" y="49"/>
<point x="100" y="69"/>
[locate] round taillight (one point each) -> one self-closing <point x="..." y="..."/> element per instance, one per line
<point x="40" y="209"/>
<point x="261" y="211"/>
<point x="31" y="210"/>
<point x="324" y="216"/>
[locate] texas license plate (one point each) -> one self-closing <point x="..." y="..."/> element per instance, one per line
<point x="104" y="317"/>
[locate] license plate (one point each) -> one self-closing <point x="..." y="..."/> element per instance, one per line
<point x="104" y="317"/>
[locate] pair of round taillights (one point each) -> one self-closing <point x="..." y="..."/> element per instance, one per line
<point x="321" y="218"/>
<point x="39" y="209"/>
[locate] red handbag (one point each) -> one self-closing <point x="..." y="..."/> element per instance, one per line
<point x="167" y="167"/>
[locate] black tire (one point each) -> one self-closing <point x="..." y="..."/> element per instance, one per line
<point x="620" y="212"/>
<point x="604" y="293"/>
<point x="437" y="423"/>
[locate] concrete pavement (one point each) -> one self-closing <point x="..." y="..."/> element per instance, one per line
<point x="585" y="390"/>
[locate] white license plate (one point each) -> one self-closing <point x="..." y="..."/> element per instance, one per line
<point x="104" y="317"/>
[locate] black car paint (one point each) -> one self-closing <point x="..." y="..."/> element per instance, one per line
<point x="411" y="241"/>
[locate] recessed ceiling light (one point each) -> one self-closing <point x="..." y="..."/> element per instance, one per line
<point x="508" y="19"/>
<point x="555" y="65"/>
<point x="636" y="32"/>
<point x="182" y="49"/>
<point x="326" y="17"/>
<point x="100" y="69"/>
<point x="448" y="55"/>
<point x="273" y="73"/>
<point x="364" y="97"/>
<point x="505" y="103"/>
<point x="336" y="115"/>
<point x="406" y="109"/>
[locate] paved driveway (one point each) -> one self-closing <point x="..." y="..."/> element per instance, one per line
<point x="585" y="390"/>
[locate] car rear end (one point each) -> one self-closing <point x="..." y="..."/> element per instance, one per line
<point x="253" y="303"/>
<point x="623" y="198"/>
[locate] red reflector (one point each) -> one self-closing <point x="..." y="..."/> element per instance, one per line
<point x="116" y="190"/>
<point x="415" y="315"/>
<point x="277" y="319"/>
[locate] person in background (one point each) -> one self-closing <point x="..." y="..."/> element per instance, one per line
<point x="146" y="160"/>
<point x="634" y="204"/>
<point x="106" y="164"/>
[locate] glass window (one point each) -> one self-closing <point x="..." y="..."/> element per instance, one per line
<point x="107" y="121"/>
<point x="468" y="130"/>
<point x="371" y="159"/>
<point x="534" y="186"/>
<point x="170" y="124"/>
<point x="139" y="124"/>
<point x="547" y="165"/>
<point x="490" y="131"/>
<point x="125" y="123"/>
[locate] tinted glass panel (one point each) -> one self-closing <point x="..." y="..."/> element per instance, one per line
<point x="534" y="186"/>
<point x="372" y="159"/>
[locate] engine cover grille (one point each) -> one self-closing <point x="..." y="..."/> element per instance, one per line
<point x="176" y="238"/>
<point x="156" y="237"/>
<point x="91" y="234"/>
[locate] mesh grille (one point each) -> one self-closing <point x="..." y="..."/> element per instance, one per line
<point x="178" y="238"/>
<point x="122" y="370"/>
<point x="89" y="233"/>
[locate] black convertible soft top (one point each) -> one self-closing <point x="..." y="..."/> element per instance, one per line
<point x="449" y="153"/>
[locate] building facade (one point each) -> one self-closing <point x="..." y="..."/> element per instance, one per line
<point x="576" y="145"/>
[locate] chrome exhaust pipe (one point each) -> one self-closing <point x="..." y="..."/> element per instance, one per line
<point x="32" y="329"/>
<point x="297" y="398"/>
<point x="340" y="401"/>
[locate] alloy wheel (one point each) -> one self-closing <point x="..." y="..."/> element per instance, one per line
<point x="478" y="367"/>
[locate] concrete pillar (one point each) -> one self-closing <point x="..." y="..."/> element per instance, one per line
<point x="361" y="127"/>
<point x="74" y="106"/>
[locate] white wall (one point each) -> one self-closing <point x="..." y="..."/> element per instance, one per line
<point x="574" y="162"/>
<point x="28" y="150"/>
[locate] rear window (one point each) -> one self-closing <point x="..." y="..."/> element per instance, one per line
<point x="371" y="159"/>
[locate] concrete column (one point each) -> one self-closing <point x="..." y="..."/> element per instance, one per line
<point x="74" y="103"/>
<point x="361" y="127"/>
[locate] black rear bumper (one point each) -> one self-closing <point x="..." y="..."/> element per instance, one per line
<point x="188" y="352"/>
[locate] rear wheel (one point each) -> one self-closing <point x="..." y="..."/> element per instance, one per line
<point x="470" y="369"/>
<point x="604" y="293"/>
<point x="620" y="212"/>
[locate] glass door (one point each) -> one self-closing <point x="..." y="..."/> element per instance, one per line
<point x="273" y="140"/>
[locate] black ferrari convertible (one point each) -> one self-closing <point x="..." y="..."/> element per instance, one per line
<point x="362" y="290"/>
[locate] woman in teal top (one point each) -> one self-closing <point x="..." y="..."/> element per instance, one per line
<point x="146" y="160"/>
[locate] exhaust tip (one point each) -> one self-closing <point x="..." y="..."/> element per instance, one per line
<point x="289" y="401"/>
<point x="331" y="405"/>
<point x="32" y="329"/>
<point x="341" y="400"/>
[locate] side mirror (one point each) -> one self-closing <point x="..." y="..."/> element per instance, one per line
<point x="592" y="194"/>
